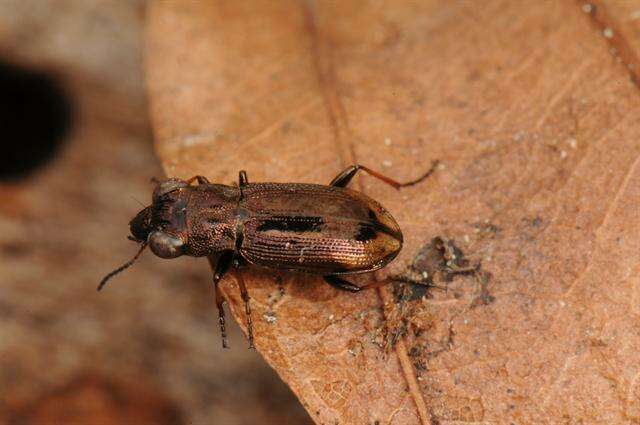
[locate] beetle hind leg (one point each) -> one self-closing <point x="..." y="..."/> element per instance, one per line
<point x="345" y="285"/>
<point x="343" y="179"/>
<point x="339" y="283"/>
<point x="199" y="179"/>
<point x="373" y="285"/>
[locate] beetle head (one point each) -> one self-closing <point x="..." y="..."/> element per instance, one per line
<point x="160" y="228"/>
<point x="162" y="225"/>
<point x="167" y="230"/>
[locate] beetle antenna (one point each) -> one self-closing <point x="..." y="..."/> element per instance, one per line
<point x="138" y="201"/>
<point x="122" y="267"/>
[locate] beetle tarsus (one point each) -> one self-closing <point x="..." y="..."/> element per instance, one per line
<point x="220" y="305"/>
<point x="220" y="264"/>
<point x="247" y="307"/>
<point x="341" y="284"/>
<point x="426" y="175"/>
<point x="223" y="331"/>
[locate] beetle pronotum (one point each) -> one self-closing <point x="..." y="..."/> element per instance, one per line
<point x="324" y="230"/>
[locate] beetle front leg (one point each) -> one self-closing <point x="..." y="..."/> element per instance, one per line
<point x="343" y="179"/>
<point x="220" y="264"/>
<point x="245" y="297"/>
<point x="200" y="179"/>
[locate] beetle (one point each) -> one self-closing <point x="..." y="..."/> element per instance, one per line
<point x="328" y="230"/>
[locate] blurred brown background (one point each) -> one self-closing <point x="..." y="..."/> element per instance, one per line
<point x="76" y="162"/>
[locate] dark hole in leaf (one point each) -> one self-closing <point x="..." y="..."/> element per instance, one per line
<point x="35" y="116"/>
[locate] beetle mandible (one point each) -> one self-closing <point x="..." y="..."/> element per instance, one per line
<point x="324" y="230"/>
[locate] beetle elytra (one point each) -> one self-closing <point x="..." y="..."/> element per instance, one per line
<point x="327" y="230"/>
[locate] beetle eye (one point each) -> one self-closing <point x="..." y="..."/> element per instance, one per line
<point x="140" y="225"/>
<point x="165" y="245"/>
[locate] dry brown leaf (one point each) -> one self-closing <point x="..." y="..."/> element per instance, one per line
<point x="532" y="109"/>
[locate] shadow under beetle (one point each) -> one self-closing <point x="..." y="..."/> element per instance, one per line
<point x="324" y="230"/>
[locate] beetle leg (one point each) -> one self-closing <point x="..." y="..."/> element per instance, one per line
<point x="345" y="177"/>
<point x="200" y="179"/>
<point x="243" y="181"/>
<point x="341" y="284"/>
<point x="373" y="285"/>
<point x="220" y="264"/>
<point x="243" y="178"/>
<point x="245" y="297"/>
